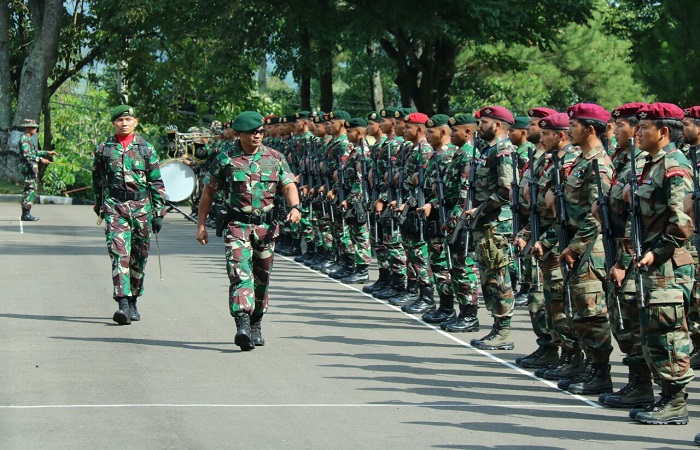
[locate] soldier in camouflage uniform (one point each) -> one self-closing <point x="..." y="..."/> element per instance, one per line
<point x="31" y="157"/>
<point x="129" y="194"/>
<point x="251" y="175"/>
<point x="305" y="140"/>
<point x="584" y="257"/>
<point x="667" y="279"/>
<point x="638" y="391"/>
<point x="287" y="146"/>
<point x="493" y="224"/>
<point x="554" y="139"/>
<point x="691" y="135"/>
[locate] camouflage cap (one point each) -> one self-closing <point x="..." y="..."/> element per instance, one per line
<point x="339" y="114"/>
<point x="194" y="130"/>
<point x="462" y="119"/>
<point x="303" y="115"/>
<point x="356" y="122"/>
<point x="29" y="123"/>
<point x="122" y="111"/>
<point x="374" y="116"/>
<point x="438" y="120"/>
<point x="391" y="113"/>
<point x="247" y="121"/>
<point x="521" y="122"/>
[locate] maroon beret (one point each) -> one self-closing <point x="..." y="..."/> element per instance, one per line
<point x="477" y="115"/>
<point x="692" y="112"/>
<point x="628" y="110"/>
<point x="416" y="117"/>
<point x="589" y="111"/>
<point x="496" y="112"/>
<point x="658" y="111"/>
<point x="558" y="121"/>
<point x="541" y="112"/>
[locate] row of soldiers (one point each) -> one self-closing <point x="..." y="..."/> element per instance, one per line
<point x="598" y="238"/>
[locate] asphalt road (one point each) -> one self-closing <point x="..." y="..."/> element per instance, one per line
<point x="339" y="370"/>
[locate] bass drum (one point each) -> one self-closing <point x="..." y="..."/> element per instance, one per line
<point x="179" y="180"/>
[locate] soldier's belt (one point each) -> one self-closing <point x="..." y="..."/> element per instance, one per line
<point x="118" y="194"/>
<point x="236" y="216"/>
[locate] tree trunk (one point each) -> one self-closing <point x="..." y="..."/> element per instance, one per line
<point x="305" y="82"/>
<point x="5" y="80"/>
<point x="262" y="74"/>
<point x="375" y="79"/>
<point x="326" y="81"/>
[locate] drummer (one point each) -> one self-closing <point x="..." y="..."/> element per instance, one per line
<point x="129" y="194"/>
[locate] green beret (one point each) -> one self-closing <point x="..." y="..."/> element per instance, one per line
<point x="289" y="118"/>
<point x="521" y="122"/>
<point x="462" y="119"/>
<point x="318" y="116"/>
<point x="356" y="122"/>
<point x="122" y="111"/>
<point x="374" y="117"/>
<point x="392" y="113"/>
<point x="437" y="120"/>
<point x="303" y="115"/>
<point x="339" y="114"/>
<point x="247" y="121"/>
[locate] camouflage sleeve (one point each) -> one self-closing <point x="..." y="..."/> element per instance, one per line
<point x="285" y="175"/>
<point x="215" y="177"/>
<point x="590" y="228"/>
<point x="504" y="165"/>
<point x="155" y="184"/>
<point x="98" y="175"/>
<point x="25" y="148"/>
<point x="679" y="226"/>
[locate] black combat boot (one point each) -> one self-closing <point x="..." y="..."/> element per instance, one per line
<point x="256" y="329"/>
<point x="310" y="253"/>
<point x="359" y="276"/>
<point x="670" y="409"/>
<point x="564" y="383"/>
<point x="294" y="248"/>
<point x="570" y="364"/>
<point x="695" y="359"/>
<point x="322" y="255"/>
<point x="26" y="217"/>
<point x="332" y="265"/>
<point x="596" y="381"/>
<point x="544" y="356"/>
<point x="347" y="269"/>
<point x="122" y="315"/>
<point x="409" y="295"/>
<point x="445" y="312"/>
<point x="244" y="335"/>
<point x="381" y="283"/>
<point x="466" y="320"/>
<point x="425" y="301"/>
<point x="133" y="312"/>
<point x="396" y="286"/>
<point x="638" y="392"/>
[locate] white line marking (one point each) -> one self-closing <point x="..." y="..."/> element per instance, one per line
<point x="320" y="405"/>
<point x="450" y="336"/>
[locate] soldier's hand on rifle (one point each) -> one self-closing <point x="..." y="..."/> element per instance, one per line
<point x="304" y="190"/>
<point x="550" y="201"/>
<point x="414" y="179"/>
<point x="425" y="209"/>
<point x="331" y="194"/>
<point x="537" y="251"/>
<point x="294" y="216"/>
<point x="617" y="274"/>
<point x="519" y="244"/>
<point x="378" y="206"/>
<point x="392" y="204"/>
<point x="526" y="192"/>
<point x="202" y="235"/>
<point x="647" y="261"/>
<point x="344" y="204"/>
<point x="568" y="257"/>
<point x="403" y="205"/>
<point x="469" y="212"/>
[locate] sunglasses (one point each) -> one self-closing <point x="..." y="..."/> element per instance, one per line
<point x="260" y="131"/>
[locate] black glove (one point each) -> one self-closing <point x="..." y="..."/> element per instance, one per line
<point x="157" y="224"/>
<point x="97" y="208"/>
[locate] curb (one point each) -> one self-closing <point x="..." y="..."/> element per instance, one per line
<point x="45" y="200"/>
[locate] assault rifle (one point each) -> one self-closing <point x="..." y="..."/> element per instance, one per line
<point x="465" y="224"/>
<point x="399" y="187"/>
<point x="390" y="188"/>
<point x="442" y="210"/>
<point x="341" y="189"/>
<point x="636" y="234"/>
<point x="420" y="195"/>
<point x="328" y="185"/>
<point x="608" y="238"/>
<point x="374" y="218"/>
<point x="515" y="209"/>
<point x="563" y="237"/>
<point x="534" y="213"/>
<point x="696" y="195"/>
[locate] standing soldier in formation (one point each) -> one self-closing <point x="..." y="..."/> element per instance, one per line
<point x="493" y="227"/>
<point x="31" y="157"/>
<point x="251" y="176"/>
<point x="665" y="264"/>
<point x="130" y="196"/>
<point x="305" y="141"/>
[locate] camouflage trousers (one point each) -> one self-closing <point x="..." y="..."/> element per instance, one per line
<point x="250" y="251"/>
<point x="465" y="283"/>
<point x="417" y="259"/>
<point x="29" y="188"/>
<point x="306" y="228"/>
<point x="493" y="255"/>
<point x="128" y="242"/>
<point x="558" y="322"/>
<point x="665" y="337"/>
<point x="395" y="253"/>
<point x="438" y="265"/>
<point x="377" y="242"/>
<point x="625" y="308"/>
<point x="590" y="311"/>
<point x="536" y="304"/>
<point x="341" y="236"/>
<point x="359" y="235"/>
<point x="694" y="309"/>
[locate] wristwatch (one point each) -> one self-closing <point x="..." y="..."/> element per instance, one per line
<point x="297" y="207"/>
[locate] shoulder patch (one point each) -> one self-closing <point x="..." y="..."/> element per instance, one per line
<point x="674" y="173"/>
<point x="505" y="152"/>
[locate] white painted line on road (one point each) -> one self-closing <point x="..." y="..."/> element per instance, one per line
<point x="448" y="335"/>
<point x="300" y="405"/>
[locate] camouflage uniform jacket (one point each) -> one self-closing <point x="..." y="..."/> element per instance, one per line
<point x="411" y="166"/>
<point x="580" y="192"/>
<point x="619" y="208"/>
<point x="353" y="171"/>
<point x="250" y="181"/>
<point x="664" y="182"/>
<point x="522" y="154"/>
<point x="135" y="169"/>
<point x="524" y="179"/>
<point x="494" y="174"/>
<point x="455" y="182"/>
<point x="30" y="155"/>
<point x="391" y="145"/>
<point x="546" y="182"/>
<point x="337" y="152"/>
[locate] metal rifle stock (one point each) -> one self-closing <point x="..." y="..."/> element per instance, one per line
<point x="563" y="237"/>
<point x="515" y="209"/>
<point x="471" y="194"/>
<point x="442" y="214"/>
<point x="399" y="187"/>
<point x="341" y="189"/>
<point x="637" y="236"/>
<point x="608" y="238"/>
<point x="420" y="195"/>
<point x="375" y="194"/>
<point x="534" y="214"/>
<point x="390" y="188"/>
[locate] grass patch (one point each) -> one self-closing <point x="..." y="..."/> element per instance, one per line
<point x="10" y="188"/>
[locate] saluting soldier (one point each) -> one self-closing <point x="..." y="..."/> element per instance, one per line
<point x="251" y="176"/>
